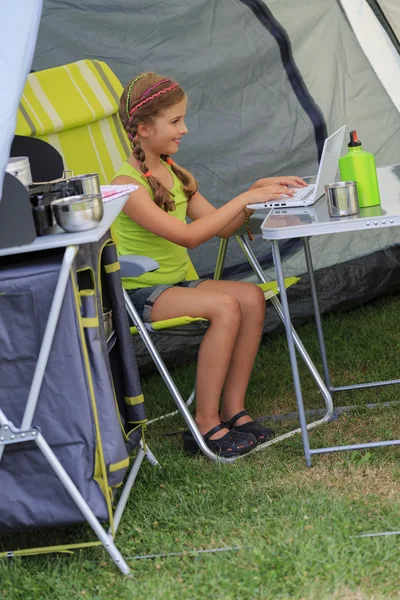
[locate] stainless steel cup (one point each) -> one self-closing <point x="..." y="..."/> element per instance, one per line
<point x="342" y="198"/>
<point x="84" y="184"/>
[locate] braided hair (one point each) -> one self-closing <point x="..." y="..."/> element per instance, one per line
<point x="144" y="98"/>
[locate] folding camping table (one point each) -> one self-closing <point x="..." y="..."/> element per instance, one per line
<point x="11" y="433"/>
<point x="310" y="221"/>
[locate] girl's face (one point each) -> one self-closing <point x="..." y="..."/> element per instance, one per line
<point x="164" y="135"/>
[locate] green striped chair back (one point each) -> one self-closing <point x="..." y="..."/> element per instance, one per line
<point x="75" y="109"/>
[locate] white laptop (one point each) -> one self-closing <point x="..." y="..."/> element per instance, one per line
<point x="326" y="174"/>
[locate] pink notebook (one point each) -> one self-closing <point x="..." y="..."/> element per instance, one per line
<point x="112" y="192"/>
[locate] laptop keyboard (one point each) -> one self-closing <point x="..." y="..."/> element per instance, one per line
<point x="300" y="194"/>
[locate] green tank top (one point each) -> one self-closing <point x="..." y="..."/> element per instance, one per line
<point x="131" y="238"/>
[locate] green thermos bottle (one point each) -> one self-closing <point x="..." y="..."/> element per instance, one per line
<point x="359" y="166"/>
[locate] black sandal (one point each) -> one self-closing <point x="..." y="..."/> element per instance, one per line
<point x="261" y="433"/>
<point x="233" y="443"/>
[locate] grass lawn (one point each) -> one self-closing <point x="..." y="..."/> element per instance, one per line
<point x="293" y="528"/>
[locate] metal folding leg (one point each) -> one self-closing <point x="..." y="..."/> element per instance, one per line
<point x="144" y="452"/>
<point x="292" y="351"/>
<point x="320" y="334"/>
<point x="324" y="359"/>
<point x="9" y="434"/>
<point x="325" y="392"/>
<point x="291" y="345"/>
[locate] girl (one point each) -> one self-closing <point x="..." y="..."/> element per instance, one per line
<point x="153" y="223"/>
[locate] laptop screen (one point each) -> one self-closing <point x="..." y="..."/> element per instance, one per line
<point x="329" y="161"/>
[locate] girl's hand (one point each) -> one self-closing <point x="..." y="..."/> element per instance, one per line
<point x="290" y="180"/>
<point x="269" y="192"/>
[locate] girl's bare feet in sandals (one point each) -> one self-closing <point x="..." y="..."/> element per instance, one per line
<point x="231" y="444"/>
<point x="242" y="423"/>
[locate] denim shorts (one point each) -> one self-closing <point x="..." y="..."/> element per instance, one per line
<point x="144" y="298"/>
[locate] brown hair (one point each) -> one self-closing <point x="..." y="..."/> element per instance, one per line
<point x="145" y="112"/>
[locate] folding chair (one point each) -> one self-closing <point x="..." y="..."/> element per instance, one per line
<point x="89" y="123"/>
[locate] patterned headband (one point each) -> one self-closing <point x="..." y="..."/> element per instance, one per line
<point x="128" y="96"/>
<point x="171" y="87"/>
<point x="152" y="88"/>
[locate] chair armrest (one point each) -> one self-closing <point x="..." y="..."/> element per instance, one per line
<point x="134" y="266"/>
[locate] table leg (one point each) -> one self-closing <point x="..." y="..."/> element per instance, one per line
<point x="317" y="314"/>
<point x="76" y="496"/>
<point x="292" y="351"/>
<point x="68" y="259"/>
<point x="324" y="391"/>
<point x="45" y="348"/>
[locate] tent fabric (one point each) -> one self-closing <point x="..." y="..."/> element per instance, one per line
<point x="248" y="68"/>
<point x="388" y="13"/>
<point x="383" y="56"/>
<point x="391" y="9"/>
<point x="16" y="54"/>
<point x="263" y="77"/>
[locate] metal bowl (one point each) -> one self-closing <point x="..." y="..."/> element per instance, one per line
<point x="78" y="213"/>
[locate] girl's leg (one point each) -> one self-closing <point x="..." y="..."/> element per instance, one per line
<point x="252" y="306"/>
<point x="215" y="354"/>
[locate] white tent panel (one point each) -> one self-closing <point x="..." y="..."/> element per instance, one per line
<point x="391" y="8"/>
<point x="16" y="54"/>
<point x="378" y="48"/>
<point x="338" y="74"/>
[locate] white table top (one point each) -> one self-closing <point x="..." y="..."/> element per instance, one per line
<point x="283" y="224"/>
<point x="112" y="208"/>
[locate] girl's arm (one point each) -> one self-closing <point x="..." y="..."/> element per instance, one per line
<point x="143" y="210"/>
<point x="199" y="207"/>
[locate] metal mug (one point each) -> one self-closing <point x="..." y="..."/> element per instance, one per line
<point x="342" y="198"/>
<point x="80" y="185"/>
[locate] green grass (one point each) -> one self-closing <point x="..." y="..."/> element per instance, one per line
<point x="294" y="526"/>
